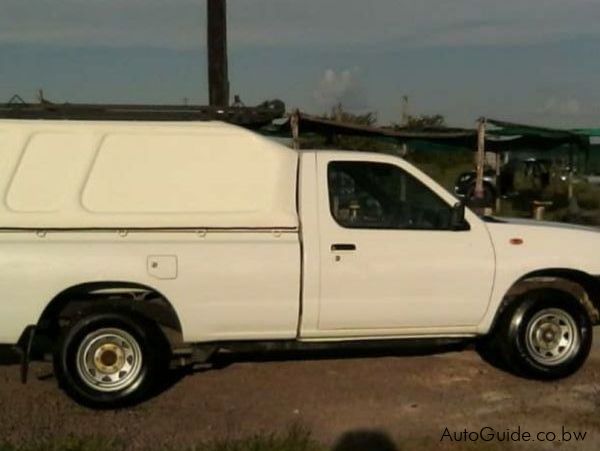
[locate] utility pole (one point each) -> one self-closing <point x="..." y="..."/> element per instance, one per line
<point x="218" y="80"/>
<point x="295" y="125"/>
<point x="404" y="123"/>
<point x="404" y="110"/>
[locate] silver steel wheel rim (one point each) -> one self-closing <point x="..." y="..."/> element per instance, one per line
<point x="552" y="337"/>
<point x="109" y="360"/>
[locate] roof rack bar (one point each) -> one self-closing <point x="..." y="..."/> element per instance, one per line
<point x="257" y="116"/>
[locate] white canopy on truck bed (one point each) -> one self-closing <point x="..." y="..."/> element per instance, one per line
<point x="76" y="174"/>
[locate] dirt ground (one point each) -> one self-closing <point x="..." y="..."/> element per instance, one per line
<point x="408" y="399"/>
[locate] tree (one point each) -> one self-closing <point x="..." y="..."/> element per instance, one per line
<point x="424" y="121"/>
<point x="338" y="114"/>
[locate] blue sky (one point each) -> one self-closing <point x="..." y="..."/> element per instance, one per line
<point x="525" y="60"/>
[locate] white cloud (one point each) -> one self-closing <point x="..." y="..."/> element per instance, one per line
<point x="562" y="106"/>
<point x="343" y="87"/>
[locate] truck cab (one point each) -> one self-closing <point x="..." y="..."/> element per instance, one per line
<point x="379" y="232"/>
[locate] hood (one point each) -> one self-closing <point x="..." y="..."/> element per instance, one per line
<point x="534" y="223"/>
<point x="545" y="244"/>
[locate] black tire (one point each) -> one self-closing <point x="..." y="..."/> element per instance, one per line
<point x="138" y="361"/>
<point x="545" y="334"/>
<point x="489" y="195"/>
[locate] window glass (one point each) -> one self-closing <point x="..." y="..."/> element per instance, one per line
<point x="379" y="195"/>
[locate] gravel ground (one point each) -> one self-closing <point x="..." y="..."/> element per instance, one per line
<point x="409" y="399"/>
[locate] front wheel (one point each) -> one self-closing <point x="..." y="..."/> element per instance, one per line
<point x="546" y="334"/>
<point x="108" y="360"/>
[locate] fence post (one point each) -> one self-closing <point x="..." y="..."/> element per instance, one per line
<point x="295" y="126"/>
<point x="480" y="160"/>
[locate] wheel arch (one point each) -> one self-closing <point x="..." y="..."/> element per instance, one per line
<point x="581" y="285"/>
<point x="141" y="299"/>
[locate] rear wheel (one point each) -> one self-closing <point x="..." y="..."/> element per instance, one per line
<point x="110" y="359"/>
<point x="546" y="334"/>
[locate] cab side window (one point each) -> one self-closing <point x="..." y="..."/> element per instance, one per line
<point x="383" y="196"/>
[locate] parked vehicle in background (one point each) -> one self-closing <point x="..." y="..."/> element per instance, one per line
<point x="536" y="170"/>
<point x="131" y="247"/>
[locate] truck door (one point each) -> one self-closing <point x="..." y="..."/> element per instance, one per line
<point x="389" y="260"/>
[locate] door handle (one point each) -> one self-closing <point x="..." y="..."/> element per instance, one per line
<point x="343" y="247"/>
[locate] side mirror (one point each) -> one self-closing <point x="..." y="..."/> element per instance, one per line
<point x="457" y="217"/>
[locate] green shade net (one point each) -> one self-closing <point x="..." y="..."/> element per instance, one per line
<point x="506" y="136"/>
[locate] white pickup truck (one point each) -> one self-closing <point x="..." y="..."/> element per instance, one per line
<point x="128" y="247"/>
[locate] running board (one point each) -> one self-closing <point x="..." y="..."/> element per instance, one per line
<point x="196" y="353"/>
